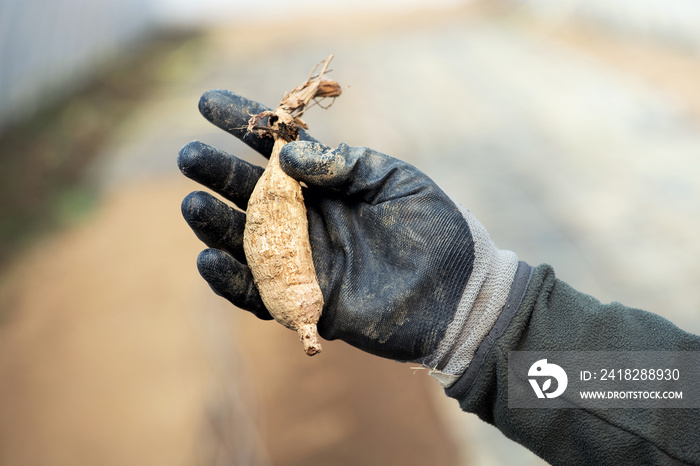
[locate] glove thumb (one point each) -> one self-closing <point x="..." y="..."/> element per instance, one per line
<point x="349" y="170"/>
<point x="312" y="163"/>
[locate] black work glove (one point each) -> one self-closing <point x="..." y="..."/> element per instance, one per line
<point x="400" y="265"/>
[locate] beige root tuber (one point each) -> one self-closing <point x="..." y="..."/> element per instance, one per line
<point x="276" y="235"/>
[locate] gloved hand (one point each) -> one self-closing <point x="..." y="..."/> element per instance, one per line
<point x="405" y="272"/>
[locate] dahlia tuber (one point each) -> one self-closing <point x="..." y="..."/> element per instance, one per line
<point x="276" y="235"/>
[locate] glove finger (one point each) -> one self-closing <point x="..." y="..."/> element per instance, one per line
<point x="227" y="175"/>
<point x="215" y="223"/>
<point x="231" y="112"/>
<point x="232" y="280"/>
<point x="352" y="171"/>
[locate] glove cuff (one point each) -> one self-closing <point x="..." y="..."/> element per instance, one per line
<point x="482" y="301"/>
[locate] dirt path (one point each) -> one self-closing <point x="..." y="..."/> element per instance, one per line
<point x="97" y="360"/>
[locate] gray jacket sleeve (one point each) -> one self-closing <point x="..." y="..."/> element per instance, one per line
<point x="544" y="313"/>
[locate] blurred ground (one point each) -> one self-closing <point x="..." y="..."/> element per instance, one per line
<point x="572" y="146"/>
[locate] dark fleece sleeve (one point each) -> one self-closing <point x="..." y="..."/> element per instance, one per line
<point x="553" y="316"/>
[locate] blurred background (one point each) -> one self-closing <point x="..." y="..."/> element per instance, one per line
<point x="569" y="128"/>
